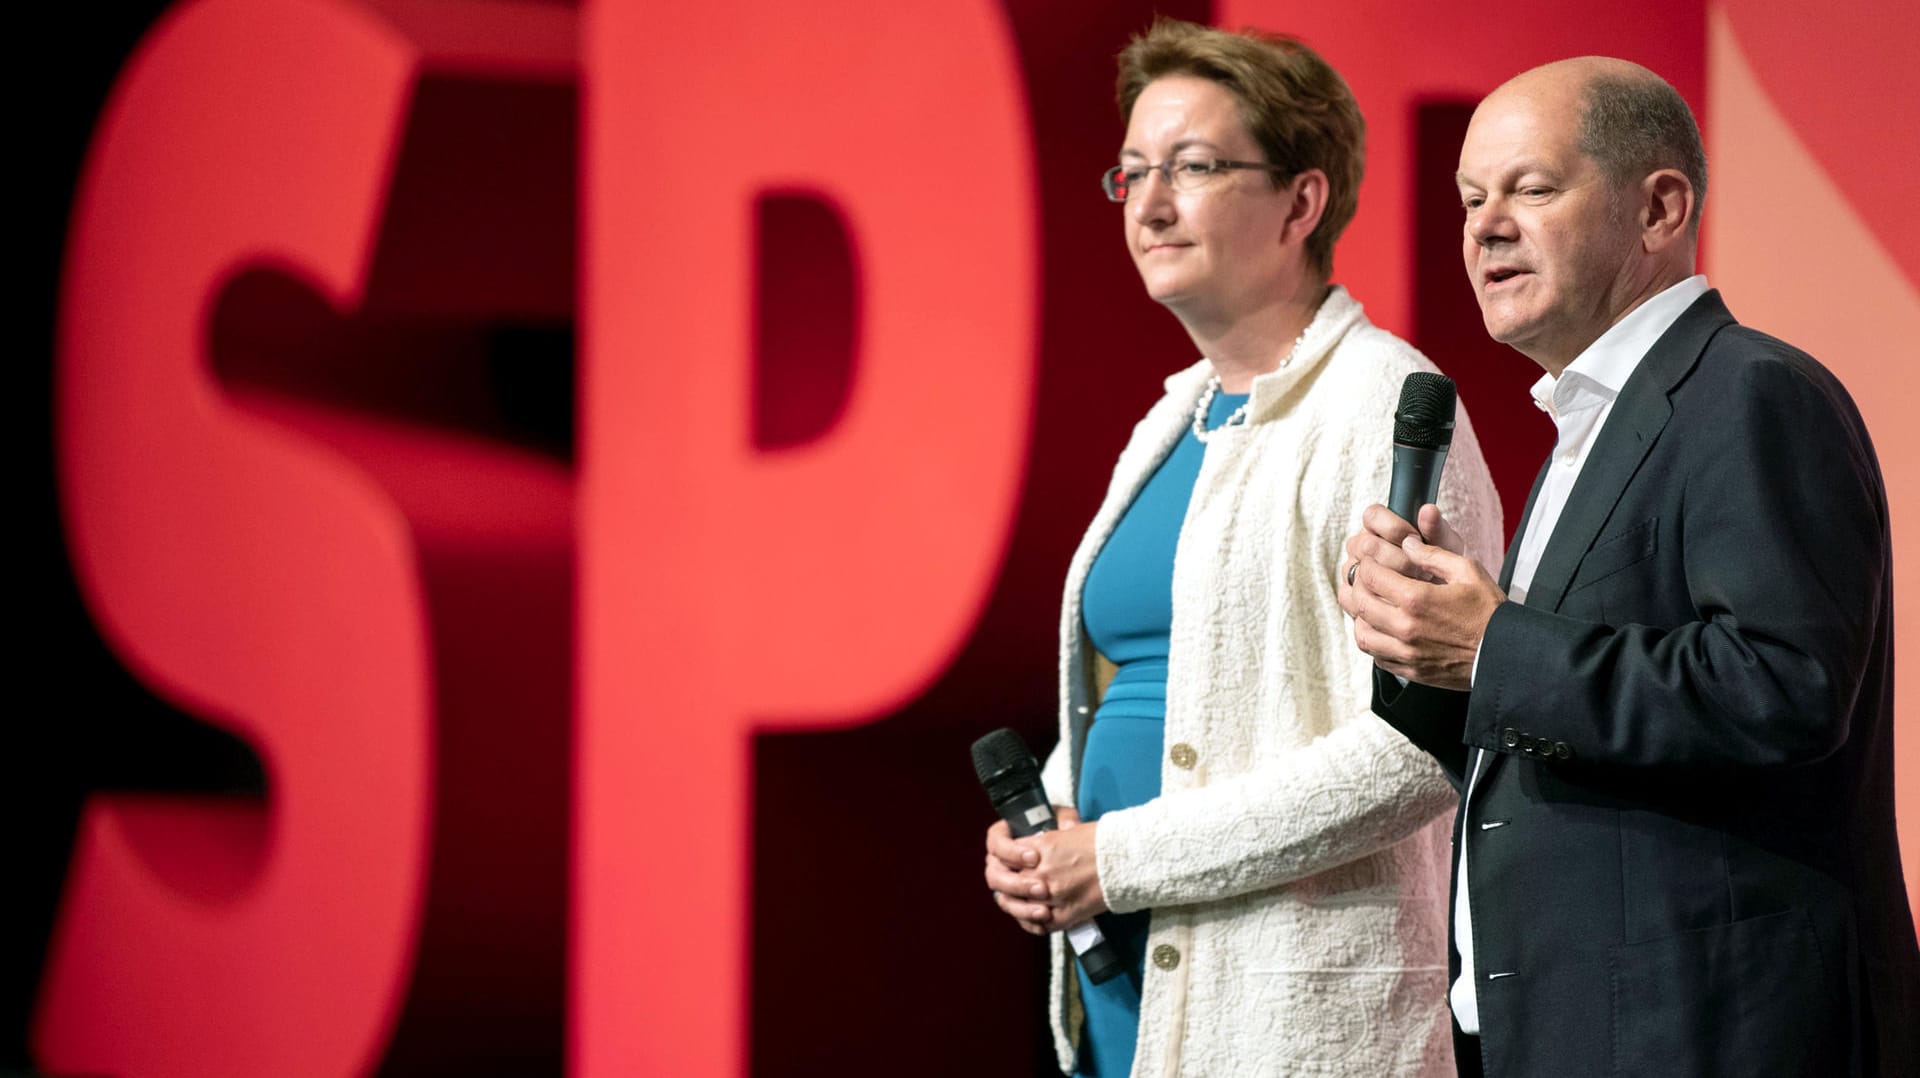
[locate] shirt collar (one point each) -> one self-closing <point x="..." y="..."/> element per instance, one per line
<point x="1606" y="364"/>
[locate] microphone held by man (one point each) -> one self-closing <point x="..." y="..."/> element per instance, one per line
<point x="1422" y="433"/>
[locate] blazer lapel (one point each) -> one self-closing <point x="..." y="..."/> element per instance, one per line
<point x="1638" y="417"/>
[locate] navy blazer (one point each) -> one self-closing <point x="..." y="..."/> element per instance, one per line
<point x="1683" y="853"/>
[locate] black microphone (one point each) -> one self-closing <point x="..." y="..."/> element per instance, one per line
<point x="1012" y="779"/>
<point x="1422" y="432"/>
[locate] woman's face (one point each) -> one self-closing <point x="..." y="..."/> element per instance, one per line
<point x="1216" y="253"/>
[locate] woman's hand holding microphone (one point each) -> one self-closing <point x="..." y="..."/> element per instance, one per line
<point x="1046" y="882"/>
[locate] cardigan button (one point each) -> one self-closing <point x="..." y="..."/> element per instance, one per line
<point x="1166" y="956"/>
<point x="1183" y="756"/>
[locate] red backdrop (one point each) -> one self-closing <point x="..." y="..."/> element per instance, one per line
<point x="558" y="489"/>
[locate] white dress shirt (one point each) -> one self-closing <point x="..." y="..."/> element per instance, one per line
<point x="1579" y="402"/>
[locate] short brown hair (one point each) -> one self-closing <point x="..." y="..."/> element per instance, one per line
<point x="1631" y="125"/>
<point x="1296" y="106"/>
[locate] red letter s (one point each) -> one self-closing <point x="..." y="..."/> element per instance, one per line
<point x="258" y="562"/>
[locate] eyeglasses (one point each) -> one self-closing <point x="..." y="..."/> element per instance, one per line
<point x="1183" y="172"/>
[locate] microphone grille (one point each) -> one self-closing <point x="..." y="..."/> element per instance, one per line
<point x="1425" y="415"/>
<point x="1000" y="752"/>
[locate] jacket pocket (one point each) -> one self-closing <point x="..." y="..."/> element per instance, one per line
<point x="1754" y="998"/>
<point x="1299" y="1023"/>
<point x="1613" y="553"/>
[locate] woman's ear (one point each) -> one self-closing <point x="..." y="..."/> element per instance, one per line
<point x="1306" y="202"/>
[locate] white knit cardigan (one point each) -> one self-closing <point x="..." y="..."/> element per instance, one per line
<point x="1296" y="859"/>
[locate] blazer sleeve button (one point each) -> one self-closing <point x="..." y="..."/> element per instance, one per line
<point x="1510" y="737"/>
<point x="1561" y="750"/>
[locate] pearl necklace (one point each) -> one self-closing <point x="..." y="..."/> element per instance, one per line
<point x="1239" y="416"/>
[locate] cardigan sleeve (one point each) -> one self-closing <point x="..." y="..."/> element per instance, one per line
<point x="1356" y="789"/>
<point x="1350" y="793"/>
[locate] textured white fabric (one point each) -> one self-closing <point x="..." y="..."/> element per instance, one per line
<point x="1298" y="868"/>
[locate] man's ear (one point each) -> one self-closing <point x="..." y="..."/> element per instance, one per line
<point x="1667" y="208"/>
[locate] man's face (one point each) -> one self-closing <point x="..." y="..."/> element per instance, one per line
<point x="1213" y="253"/>
<point x="1549" y="244"/>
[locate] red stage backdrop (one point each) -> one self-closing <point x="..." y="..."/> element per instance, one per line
<point x="630" y="740"/>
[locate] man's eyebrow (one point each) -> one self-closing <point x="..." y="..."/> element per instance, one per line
<point x="1509" y="172"/>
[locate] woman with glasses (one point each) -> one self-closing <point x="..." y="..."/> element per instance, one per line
<point x="1269" y="858"/>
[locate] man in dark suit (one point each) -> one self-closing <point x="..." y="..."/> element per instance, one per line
<point x="1671" y="720"/>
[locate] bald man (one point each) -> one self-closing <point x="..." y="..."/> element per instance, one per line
<point x="1670" y="719"/>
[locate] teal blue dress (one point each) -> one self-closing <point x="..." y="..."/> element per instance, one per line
<point x="1127" y="606"/>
